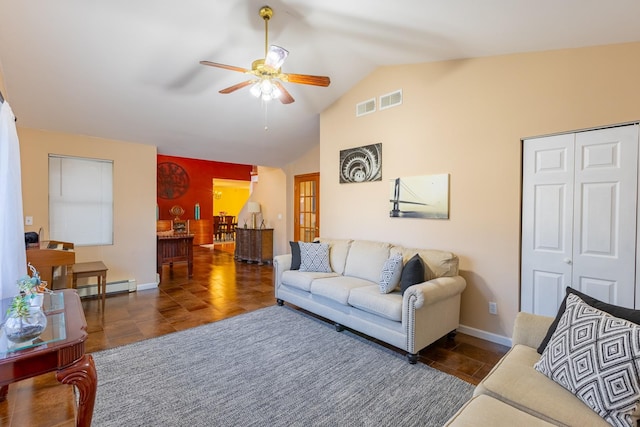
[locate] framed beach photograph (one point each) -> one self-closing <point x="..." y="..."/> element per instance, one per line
<point x="425" y="196"/>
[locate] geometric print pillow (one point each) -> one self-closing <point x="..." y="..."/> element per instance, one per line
<point x="597" y="358"/>
<point x="391" y="272"/>
<point x="314" y="257"/>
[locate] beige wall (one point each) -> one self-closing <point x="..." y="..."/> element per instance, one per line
<point x="133" y="254"/>
<point x="308" y="163"/>
<point x="269" y="191"/>
<point x="466" y="118"/>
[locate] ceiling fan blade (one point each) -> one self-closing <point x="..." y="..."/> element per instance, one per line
<point x="285" y="97"/>
<point x="306" y="79"/>
<point x="236" y="87"/>
<point x="226" y="67"/>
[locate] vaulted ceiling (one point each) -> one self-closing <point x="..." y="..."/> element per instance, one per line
<point x="129" y="70"/>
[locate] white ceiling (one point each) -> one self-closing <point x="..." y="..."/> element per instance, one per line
<point x="128" y="69"/>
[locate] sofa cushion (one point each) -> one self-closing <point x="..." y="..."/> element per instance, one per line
<point x="514" y="381"/>
<point x="437" y="263"/>
<point x="390" y="274"/>
<point x="485" y="411"/>
<point x="314" y="257"/>
<point x="596" y="357"/>
<point x="302" y="279"/>
<point x="614" y="310"/>
<point x="365" y="259"/>
<point x="369" y="299"/>
<point x="412" y="273"/>
<point x="295" y="255"/>
<point x="338" y="288"/>
<point x="338" y="250"/>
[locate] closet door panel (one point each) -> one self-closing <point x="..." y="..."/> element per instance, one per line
<point x="547" y="222"/>
<point x="605" y="214"/>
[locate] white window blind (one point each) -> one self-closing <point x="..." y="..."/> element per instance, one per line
<point x="81" y="200"/>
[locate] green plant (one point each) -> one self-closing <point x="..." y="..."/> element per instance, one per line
<point x="19" y="307"/>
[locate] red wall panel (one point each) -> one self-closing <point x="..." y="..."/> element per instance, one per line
<point x="185" y="182"/>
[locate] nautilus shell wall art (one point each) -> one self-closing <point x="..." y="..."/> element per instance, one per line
<point x="361" y="164"/>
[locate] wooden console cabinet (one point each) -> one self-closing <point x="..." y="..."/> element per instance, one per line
<point x="202" y="230"/>
<point x="254" y="245"/>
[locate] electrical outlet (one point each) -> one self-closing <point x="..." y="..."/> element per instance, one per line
<point x="493" y="308"/>
<point x="28" y="220"/>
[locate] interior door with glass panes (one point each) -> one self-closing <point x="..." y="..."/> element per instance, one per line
<point x="306" y="207"/>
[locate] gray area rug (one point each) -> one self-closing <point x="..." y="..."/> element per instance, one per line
<point x="271" y="367"/>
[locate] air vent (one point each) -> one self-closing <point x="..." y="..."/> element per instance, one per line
<point x="366" y="107"/>
<point x="391" y="100"/>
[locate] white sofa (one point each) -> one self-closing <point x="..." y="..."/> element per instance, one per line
<point x="350" y="295"/>
<point x="515" y="394"/>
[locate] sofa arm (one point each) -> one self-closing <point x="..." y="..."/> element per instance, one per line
<point x="530" y="329"/>
<point x="281" y="263"/>
<point x="432" y="291"/>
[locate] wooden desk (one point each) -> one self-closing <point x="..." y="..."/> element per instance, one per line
<point x="91" y="269"/>
<point x="45" y="260"/>
<point x="175" y="248"/>
<point x="61" y="349"/>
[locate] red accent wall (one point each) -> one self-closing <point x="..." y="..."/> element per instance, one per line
<point x="201" y="174"/>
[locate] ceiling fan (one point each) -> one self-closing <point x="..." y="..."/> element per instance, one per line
<point x="266" y="78"/>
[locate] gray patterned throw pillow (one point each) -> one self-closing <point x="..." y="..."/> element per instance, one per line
<point x="596" y="357"/>
<point x="391" y="272"/>
<point x="314" y="257"/>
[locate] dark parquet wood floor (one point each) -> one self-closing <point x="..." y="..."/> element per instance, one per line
<point x="219" y="288"/>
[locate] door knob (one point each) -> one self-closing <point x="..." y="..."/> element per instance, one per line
<point x="567" y="260"/>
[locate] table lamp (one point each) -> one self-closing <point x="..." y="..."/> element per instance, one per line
<point x="253" y="208"/>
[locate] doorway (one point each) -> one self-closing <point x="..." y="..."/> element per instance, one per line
<point x="306" y="210"/>
<point x="229" y="197"/>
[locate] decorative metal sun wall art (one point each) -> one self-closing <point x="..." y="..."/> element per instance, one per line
<point x="173" y="180"/>
<point x="361" y="164"/>
<point x="424" y="196"/>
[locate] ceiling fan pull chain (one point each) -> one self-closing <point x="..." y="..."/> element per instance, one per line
<point x="266" y="126"/>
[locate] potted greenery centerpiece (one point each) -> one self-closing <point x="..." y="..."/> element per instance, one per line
<point x="24" y="322"/>
<point x="25" y="319"/>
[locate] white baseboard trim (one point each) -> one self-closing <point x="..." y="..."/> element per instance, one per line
<point x="112" y="287"/>
<point x="146" y="286"/>
<point x="488" y="336"/>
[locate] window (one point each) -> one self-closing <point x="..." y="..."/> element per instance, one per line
<point x="81" y="200"/>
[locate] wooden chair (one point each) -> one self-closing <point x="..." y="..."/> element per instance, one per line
<point x="230" y="227"/>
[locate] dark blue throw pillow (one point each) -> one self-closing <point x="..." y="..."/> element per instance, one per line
<point x="412" y="273"/>
<point x="614" y="310"/>
<point x="295" y="255"/>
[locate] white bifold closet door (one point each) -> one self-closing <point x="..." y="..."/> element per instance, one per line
<point x="579" y="202"/>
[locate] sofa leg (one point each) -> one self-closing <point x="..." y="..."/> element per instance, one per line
<point x="413" y="358"/>
<point x="279" y="302"/>
<point x="451" y="335"/>
<point x="339" y="327"/>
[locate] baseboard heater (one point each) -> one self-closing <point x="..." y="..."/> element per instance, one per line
<point x="112" y="288"/>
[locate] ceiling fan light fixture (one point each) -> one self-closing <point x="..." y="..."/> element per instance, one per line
<point x="276" y="93"/>
<point x="255" y="89"/>
<point x="265" y="89"/>
<point x="275" y="58"/>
